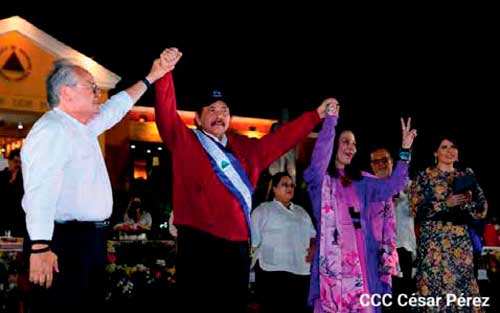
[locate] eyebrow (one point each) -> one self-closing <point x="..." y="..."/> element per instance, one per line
<point x="449" y="146"/>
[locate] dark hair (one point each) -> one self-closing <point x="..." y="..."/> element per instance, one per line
<point x="274" y="182"/>
<point x="378" y="148"/>
<point x="214" y="96"/>
<point x="351" y="171"/>
<point x="450" y="137"/>
<point x="14" y="153"/>
<point x="133" y="205"/>
<point x="444" y="137"/>
<point x="206" y="99"/>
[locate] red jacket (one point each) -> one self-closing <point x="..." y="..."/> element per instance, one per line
<point x="200" y="200"/>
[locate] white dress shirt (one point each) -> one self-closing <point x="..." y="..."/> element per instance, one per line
<point x="281" y="237"/>
<point x="65" y="177"/>
<point x="405" y="224"/>
<point x="146" y="220"/>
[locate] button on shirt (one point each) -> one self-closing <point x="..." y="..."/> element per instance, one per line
<point x="65" y="177"/>
<point x="281" y="237"/>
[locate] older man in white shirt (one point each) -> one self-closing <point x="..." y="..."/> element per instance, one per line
<point x="68" y="194"/>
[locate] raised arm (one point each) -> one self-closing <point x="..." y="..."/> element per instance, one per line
<point x="274" y="145"/>
<point x="117" y="107"/>
<point x="170" y="124"/>
<point x="323" y="147"/>
<point x="382" y="189"/>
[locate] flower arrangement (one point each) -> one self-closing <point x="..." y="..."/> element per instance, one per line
<point x="139" y="269"/>
<point x="10" y="269"/>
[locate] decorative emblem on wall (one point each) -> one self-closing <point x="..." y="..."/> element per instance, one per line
<point x="15" y="63"/>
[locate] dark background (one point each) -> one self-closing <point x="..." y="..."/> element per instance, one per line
<point x="438" y="65"/>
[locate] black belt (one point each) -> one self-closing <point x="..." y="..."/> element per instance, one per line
<point x="356" y="217"/>
<point x="455" y="223"/>
<point x="92" y="224"/>
<point x="454" y="218"/>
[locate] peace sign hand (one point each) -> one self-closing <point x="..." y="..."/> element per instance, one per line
<point x="408" y="134"/>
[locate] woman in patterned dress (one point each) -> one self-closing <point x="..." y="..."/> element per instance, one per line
<point x="348" y="261"/>
<point x="445" y="259"/>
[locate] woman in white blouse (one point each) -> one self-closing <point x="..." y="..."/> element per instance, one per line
<point x="136" y="216"/>
<point x="282" y="232"/>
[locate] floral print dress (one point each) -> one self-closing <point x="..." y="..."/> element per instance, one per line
<point x="350" y="260"/>
<point x="445" y="258"/>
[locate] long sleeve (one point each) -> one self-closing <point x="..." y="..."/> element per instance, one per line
<point x="479" y="206"/>
<point x="44" y="157"/>
<point x="273" y="145"/>
<point x="390" y="259"/>
<point x="170" y="125"/>
<point x="111" y="113"/>
<point x="416" y="194"/>
<point x="258" y="220"/>
<point x="383" y="189"/>
<point x="320" y="159"/>
<point x="423" y="202"/>
<point x="322" y="152"/>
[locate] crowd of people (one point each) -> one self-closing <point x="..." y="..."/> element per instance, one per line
<point x="364" y="235"/>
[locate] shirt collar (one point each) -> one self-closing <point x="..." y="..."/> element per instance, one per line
<point x="73" y="120"/>
<point x="223" y="141"/>
<point x="283" y="206"/>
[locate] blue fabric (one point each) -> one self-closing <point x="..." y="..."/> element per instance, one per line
<point x="476" y="229"/>
<point x="226" y="181"/>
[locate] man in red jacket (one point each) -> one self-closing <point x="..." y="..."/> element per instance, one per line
<point x="213" y="179"/>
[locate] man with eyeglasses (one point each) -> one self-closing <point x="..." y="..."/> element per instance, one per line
<point x="68" y="197"/>
<point x="382" y="164"/>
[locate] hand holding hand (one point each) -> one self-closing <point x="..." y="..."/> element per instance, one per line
<point x="329" y="106"/>
<point x="169" y="58"/>
<point x="166" y="63"/>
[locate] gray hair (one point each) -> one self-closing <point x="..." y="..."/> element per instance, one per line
<point x="63" y="73"/>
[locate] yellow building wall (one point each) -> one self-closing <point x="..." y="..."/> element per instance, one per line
<point x="24" y="91"/>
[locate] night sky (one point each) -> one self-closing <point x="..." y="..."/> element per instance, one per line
<point x="438" y="65"/>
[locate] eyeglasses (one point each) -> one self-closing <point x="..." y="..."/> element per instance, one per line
<point x="95" y="89"/>
<point x="380" y="161"/>
<point x="287" y="185"/>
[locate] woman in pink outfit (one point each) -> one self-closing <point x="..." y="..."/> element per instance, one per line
<point x="350" y="260"/>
